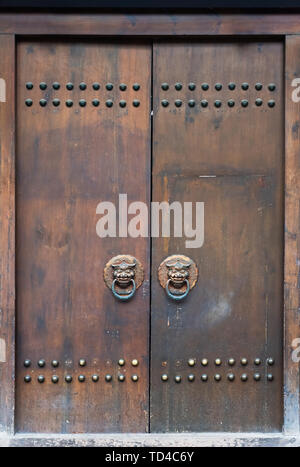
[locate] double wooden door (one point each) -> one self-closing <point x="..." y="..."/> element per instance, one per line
<point x="185" y="121"/>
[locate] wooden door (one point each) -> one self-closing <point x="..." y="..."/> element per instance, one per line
<point x="81" y="139"/>
<point x="218" y="138"/>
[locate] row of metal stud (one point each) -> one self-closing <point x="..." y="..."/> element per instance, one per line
<point x="217" y="103"/>
<point x="81" y="378"/>
<point x="231" y="361"/>
<point x="81" y="362"/>
<point x="82" y="86"/>
<point x="81" y="102"/>
<point x="217" y="86"/>
<point x="217" y="377"/>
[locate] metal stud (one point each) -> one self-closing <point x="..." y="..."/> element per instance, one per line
<point x="81" y="378"/>
<point x="108" y="378"/>
<point x="164" y="377"/>
<point x="270" y="361"/>
<point x="121" y="378"/>
<point x="231" y="361"/>
<point x="82" y="86"/>
<point x="244" y="361"/>
<point x="204" y="86"/>
<point x="271" y="103"/>
<point x="41" y="378"/>
<point x="191" y="377"/>
<point x="95" y="378"/>
<point x="191" y="362"/>
<point x="244" y="377"/>
<point x="191" y="103"/>
<point x="55" y="379"/>
<point x="178" y="86"/>
<point x="136" y="87"/>
<point x="204" y="362"/>
<point x="217" y="377"/>
<point x="109" y="86"/>
<point x="96" y="86"/>
<point x="258" y="102"/>
<point x="123" y="87"/>
<point x="134" y="362"/>
<point x="41" y="363"/>
<point x="244" y="103"/>
<point x="258" y="86"/>
<point x="55" y="363"/>
<point x="56" y="85"/>
<point x="218" y="104"/>
<point x="218" y="86"/>
<point x="43" y="86"/>
<point x="134" y="378"/>
<point x="256" y="376"/>
<point x="27" y="378"/>
<point x="135" y="103"/>
<point x="177" y="379"/>
<point x="109" y="103"/>
<point x="122" y="103"/>
<point x="272" y="87"/>
<point x="230" y="103"/>
<point x="82" y="103"/>
<point x="69" y="103"/>
<point x="82" y="362"/>
<point x="29" y="102"/>
<point x="164" y="103"/>
<point x="231" y="86"/>
<point x="121" y="362"/>
<point x="218" y="361"/>
<point x="165" y="86"/>
<point x="204" y="103"/>
<point x="95" y="102"/>
<point x="56" y="102"/>
<point x="68" y="378"/>
<point x="70" y="86"/>
<point x="270" y="377"/>
<point x="230" y="377"/>
<point x="204" y="377"/>
<point x="43" y="102"/>
<point x="257" y="361"/>
<point x="192" y="86"/>
<point x="27" y="363"/>
<point x="29" y="85"/>
<point x="245" y="86"/>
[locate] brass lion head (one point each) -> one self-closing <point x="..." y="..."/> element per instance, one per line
<point x="123" y="272"/>
<point x="178" y="272"/>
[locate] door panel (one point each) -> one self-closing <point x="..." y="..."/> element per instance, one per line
<point x="69" y="158"/>
<point x="229" y="156"/>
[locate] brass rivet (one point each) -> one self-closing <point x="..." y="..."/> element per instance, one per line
<point x="29" y="85"/>
<point x="218" y="86"/>
<point x="27" y="363"/>
<point x="136" y="87"/>
<point x="204" y="362"/>
<point x="82" y="362"/>
<point x="41" y="363"/>
<point x="109" y="103"/>
<point x="164" y="103"/>
<point x="191" y="103"/>
<point x="270" y="377"/>
<point x="54" y="379"/>
<point x="121" y="378"/>
<point x="256" y="376"/>
<point x="204" y="103"/>
<point x="258" y="102"/>
<point x="43" y="102"/>
<point x="68" y="378"/>
<point x="192" y="86"/>
<point x="257" y="361"/>
<point x="231" y="377"/>
<point x="108" y="378"/>
<point x="135" y="103"/>
<point x="41" y="378"/>
<point x="218" y="104"/>
<point x="69" y="103"/>
<point x="217" y="377"/>
<point x="121" y="362"/>
<point x="271" y="103"/>
<point x="27" y="378"/>
<point x="122" y="103"/>
<point x="123" y="87"/>
<point x="95" y="102"/>
<point x="271" y="87"/>
<point x="69" y="86"/>
<point x="205" y="86"/>
<point x="82" y="103"/>
<point x="191" y="362"/>
<point x="56" y="102"/>
<point x="55" y="363"/>
<point x="177" y="379"/>
<point x="164" y="377"/>
<point x="134" y="362"/>
<point x="258" y="86"/>
<point x="231" y="86"/>
<point x="43" y="86"/>
<point x="96" y="86"/>
<point x="82" y="86"/>
<point x="244" y="377"/>
<point x="81" y="378"/>
<point x="191" y="377"/>
<point x="204" y="377"/>
<point x="244" y="361"/>
<point x="218" y="361"/>
<point x="134" y="378"/>
<point x="95" y="378"/>
<point x="271" y="361"/>
<point x="245" y="86"/>
<point x="178" y="86"/>
<point x="29" y="102"/>
<point x="244" y="103"/>
<point x="109" y="86"/>
<point x="231" y="361"/>
<point x="56" y="85"/>
<point x="231" y="103"/>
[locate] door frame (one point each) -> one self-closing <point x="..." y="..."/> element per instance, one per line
<point x="284" y="27"/>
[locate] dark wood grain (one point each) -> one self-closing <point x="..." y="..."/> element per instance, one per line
<point x="292" y="241"/>
<point x="232" y="160"/>
<point x="7" y="234"/>
<point x="68" y="160"/>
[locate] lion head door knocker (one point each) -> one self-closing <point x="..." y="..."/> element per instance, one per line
<point x="177" y="274"/>
<point x="123" y="274"/>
